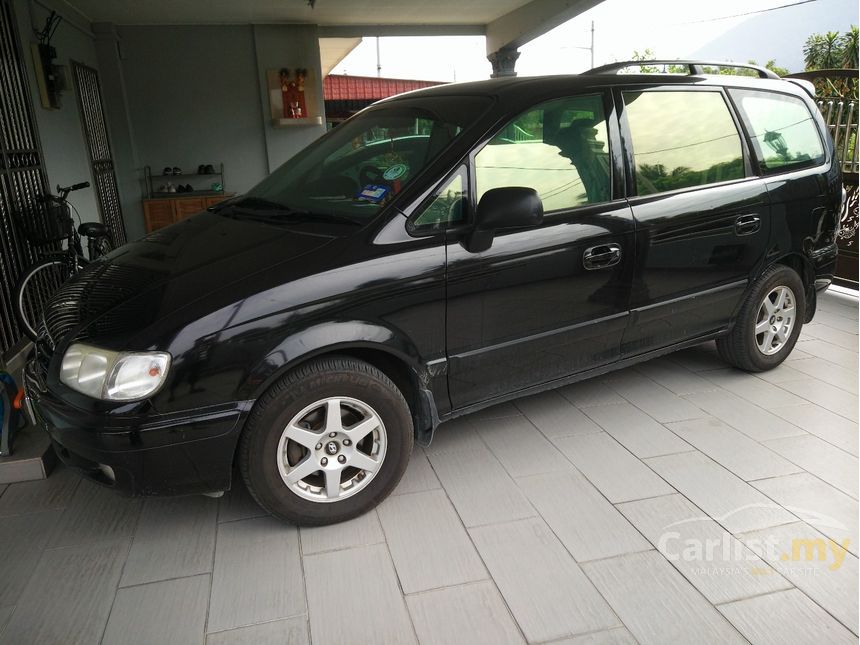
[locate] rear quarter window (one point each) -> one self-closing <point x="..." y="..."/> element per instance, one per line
<point x="782" y="130"/>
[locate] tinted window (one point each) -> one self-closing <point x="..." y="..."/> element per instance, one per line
<point x="559" y="148"/>
<point x="448" y="205"/>
<point x="682" y="139"/>
<point x="358" y="167"/>
<point x="782" y="130"/>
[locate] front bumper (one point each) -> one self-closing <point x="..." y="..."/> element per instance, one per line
<point x="172" y="454"/>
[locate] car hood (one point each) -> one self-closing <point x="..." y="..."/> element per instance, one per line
<point x="169" y="271"/>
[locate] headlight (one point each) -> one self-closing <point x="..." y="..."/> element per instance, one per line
<point x="113" y="376"/>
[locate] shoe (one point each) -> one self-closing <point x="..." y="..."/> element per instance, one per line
<point x="177" y="170"/>
<point x="210" y="169"/>
<point x="180" y="188"/>
<point x="217" y="187"/>
<point x="171" y="188"/>
<point x="188" y="188"/>
<point x="167" y="171"/>
<point x="162" y="188"/>
<point x="201" y="169"/>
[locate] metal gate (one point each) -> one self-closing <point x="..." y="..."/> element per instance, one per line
<point x="22" y="180"/>
<point x="98" y="149"/>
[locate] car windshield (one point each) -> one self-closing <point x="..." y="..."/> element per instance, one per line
<point x="356" y="169"/>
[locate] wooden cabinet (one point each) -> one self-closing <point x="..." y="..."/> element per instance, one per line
<point x="164" y="211"/>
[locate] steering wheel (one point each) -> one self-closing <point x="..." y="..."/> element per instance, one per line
<point x="370" y="175"/>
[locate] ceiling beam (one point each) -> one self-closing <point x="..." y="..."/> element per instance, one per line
<point x="533" y="19"/>
<point x="354" y="31"/>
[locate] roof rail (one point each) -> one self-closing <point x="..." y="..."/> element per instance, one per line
<point x="695" y="67"/>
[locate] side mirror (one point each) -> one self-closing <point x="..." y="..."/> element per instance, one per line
<point x="502" y="208"/>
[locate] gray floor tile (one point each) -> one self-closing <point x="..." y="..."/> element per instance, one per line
<point x="818" y="504"/>
<point x="822" y="459"/>
<point x="455" y="436"/>
<point x="292" y="631"/>
<point x="419" y="475"/>
<point x="827" y="396"/>
<point x="755" y="422"/>
<point x="841" y="377"/>
<point x="428" y="543"/>
<point x="237" y="503"/>
<point x="656" y="603"/>
<point x="699" y="358"/>
<point x="3" y="488"/>
<point x="827" y="351"/>
<point x="783" y="373"/>
<point x="785" y="617"/>
<point x="732" y="449"/>
<point x="723" y="496"/>
<point x="716" y="563"/>
<point x="498" y="411"/>
<point x="674" y="377"/>
<point x="256" y="574"/>
<point x="615" y="472"/>
<point x="175" y="538"/>
<point x="481" y="490"/>
<point x="42" y="495"/>
<point x="69" y="596"/>
<point x="22" y="539"/>
<point x="5" y="614"/>
<point x="555" y="416"/>
<point x="530" y="566"/>
<point x="361" y="531"/>
<point x="795" y="551"/>
<point x="755" y="390"/>
<point x="652" y="398"/>
<point x="473" y="614"/>
<point x="590" y="392"/>
<point x="361" y="586"/>
<point x="844" y="339"/>
<point x="585" y="522"/>
<point x="172" y="612"/>
<point x="520" y="447"/>
<point x="837" y="318"/>
<point x="96" y="513"/>
<point x="824" y="424"/>
<point x="617" y="636"/>
<point x="637" y="431"/>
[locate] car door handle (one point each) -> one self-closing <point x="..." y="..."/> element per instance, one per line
<point x="747" y="224"/>
<point x="600" y="257"/>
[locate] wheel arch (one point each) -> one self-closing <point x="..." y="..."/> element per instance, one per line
<point x="803" y="267"/>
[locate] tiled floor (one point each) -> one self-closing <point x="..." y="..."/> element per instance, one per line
<point x="675" y="502"/>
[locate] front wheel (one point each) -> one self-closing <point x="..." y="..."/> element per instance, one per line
<point x="327" y="442"/>
<point x="38" y="284"/>
<point x="769" y="322"/>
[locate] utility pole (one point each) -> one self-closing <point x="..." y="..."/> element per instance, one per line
<point x="378" y="60"/>
<point x="592" y="44"/>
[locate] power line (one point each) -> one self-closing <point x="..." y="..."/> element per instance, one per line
<point x="747" y="13"/>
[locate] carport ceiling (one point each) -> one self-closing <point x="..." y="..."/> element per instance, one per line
<point x="325" y="12"/>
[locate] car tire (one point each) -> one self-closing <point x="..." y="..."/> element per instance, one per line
<point x="327" y="442"/>
<point x="769" y="322"/>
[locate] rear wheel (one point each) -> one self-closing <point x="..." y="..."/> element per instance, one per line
<point x="769" y="322"/>
<point x="327" y="442"/>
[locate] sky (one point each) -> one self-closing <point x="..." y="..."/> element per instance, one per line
<point x="670" y="28"/>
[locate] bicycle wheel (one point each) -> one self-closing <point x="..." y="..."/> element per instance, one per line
<point x="38" y="283"/>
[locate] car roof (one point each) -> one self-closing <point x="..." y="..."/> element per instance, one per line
<point x="516" y="87"/>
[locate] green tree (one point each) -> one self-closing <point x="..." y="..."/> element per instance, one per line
<point x="831" y="50"/>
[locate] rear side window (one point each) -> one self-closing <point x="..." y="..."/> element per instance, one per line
<point x="682" y="139"/>
<point x="560" y="148"/>
<point x="783" y="133"/>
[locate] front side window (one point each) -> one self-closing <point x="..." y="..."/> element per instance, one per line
<point x="559" y="148"/>
<point x="360" y="166"/>
<point x="447" y="207"/>
<point x="783" y="133"/>
<point x="682" y="139"/>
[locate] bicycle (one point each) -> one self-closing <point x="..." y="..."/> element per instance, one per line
<point x="41" y="280"/>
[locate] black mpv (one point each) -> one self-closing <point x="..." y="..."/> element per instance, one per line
<point x="441" y="251"/>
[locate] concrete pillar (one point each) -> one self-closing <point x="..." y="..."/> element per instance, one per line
<point x="504" y="62"/>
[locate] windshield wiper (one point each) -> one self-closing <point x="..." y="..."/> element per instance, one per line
<point x="264" y="210"/>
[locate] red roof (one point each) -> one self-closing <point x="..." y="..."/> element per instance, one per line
<point x="337" y="87"/>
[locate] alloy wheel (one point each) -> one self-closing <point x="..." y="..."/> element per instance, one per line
<point x="775" y="320"/>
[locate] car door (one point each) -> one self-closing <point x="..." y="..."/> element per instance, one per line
<point x="702" y="218"/>
<point x="551" y="300"/>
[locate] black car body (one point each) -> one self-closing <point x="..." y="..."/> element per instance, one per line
<point x="458" y="315"/>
